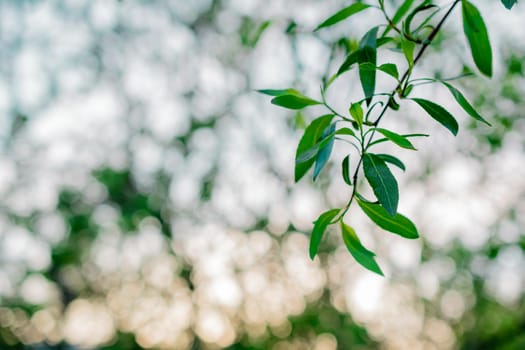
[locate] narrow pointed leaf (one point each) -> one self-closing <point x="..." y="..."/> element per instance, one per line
<point x="310" y="137"/>
<point x="382" y="181"/>
<point x="392" y="160"/>
<point x="324" y="151"/>
<point x="343" y="14"/>
<point x="320" y="226"/>
<point x="362" y="255"/>
<point x="402" y="10"/>
<point x="349" y="61"/>
<point x="478" y="38"/>
<point x="399" y="140"/>
<point x="398" y="224"/>
<point x="346" y="170"/>
<point x="368" y="54"/>
<point x="439" y="113"/>
<point x="390" y="69"/>
<point x="275" y="92"/>
<point x="463" y="102"/>
<point x="294" y="101"/>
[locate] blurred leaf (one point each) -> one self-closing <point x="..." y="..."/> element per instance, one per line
<point x="320" y="226"/>
<point x="478" y="38"/>
<point x="425" y="5"/>
<point x="399" y="140"/>
<point x="382" y="181"/>
<point x="392" y="160"/>
<point x="397" y="224"/>
<point x="356" y="111"/>
<point x="408" y="50"/>
<point x="400" y="13"/>
<point x="367" y="54"/>
<point x="289" y="98"/>
<point x="509" y="3"/>
<point x="311" y="135"/>
<point x="390" y="69"/>
<point x="440" y="114"/>
<point x="362" y="255"/>
<point x="343" y="14"/>
<point x="345" y="131"/>
<point x="350" y="60"/>
<point x="324" y="151"/>
<point x="346" y="170"/>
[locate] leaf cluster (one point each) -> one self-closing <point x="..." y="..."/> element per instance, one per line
<point x="361" y="131"/>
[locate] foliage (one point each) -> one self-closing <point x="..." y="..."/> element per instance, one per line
<point x="315" y="147"/>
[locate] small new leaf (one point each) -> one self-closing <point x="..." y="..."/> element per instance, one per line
<point x="397" y="224"/>
<point x="382" y="181"/>
<point x="346" y="170"/>
<point x="343" y="14"/>
<point x="362" y="255"/>
<point x="320" y="226"/>
<point x="439" y="113"/>
<point x="477" y="36"/>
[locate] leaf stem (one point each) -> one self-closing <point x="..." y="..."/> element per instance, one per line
<point x="404" y="79"/>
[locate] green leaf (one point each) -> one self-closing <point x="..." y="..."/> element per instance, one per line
<point x="425" y="5"/>
<point x="356" y="111"/>
<point x="508" y="3"/>
<point x="392" y="160"/>
<point x="294" y="101"/>
<point x="324" y="151"/>
<point x="397" y="224"/>
<point x="310" y="137"/>
<point x="345" y="131"/>
<point x="399" y="140"/>
<point x="390" y="69"/>
<point x="343" y="14"/>
<point x="382" y="181"/>
<point x="462" y="101"/>
<point x="401" y="11"/>
<point x="408" y="50"/>
<point x="273" y="92"/>
<point x="362" y="255"/>
<point x="289" y="98"/>
<point x="320" y="226"/>
<point x="350" y="60"/>
<point x="346" y="170"/>
<point x="440" y="114"/>
<point x="367" y="54"/>
<point x="478" y="38"/>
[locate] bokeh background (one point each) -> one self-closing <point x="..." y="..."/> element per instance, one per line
<point x="147" y="197"/>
